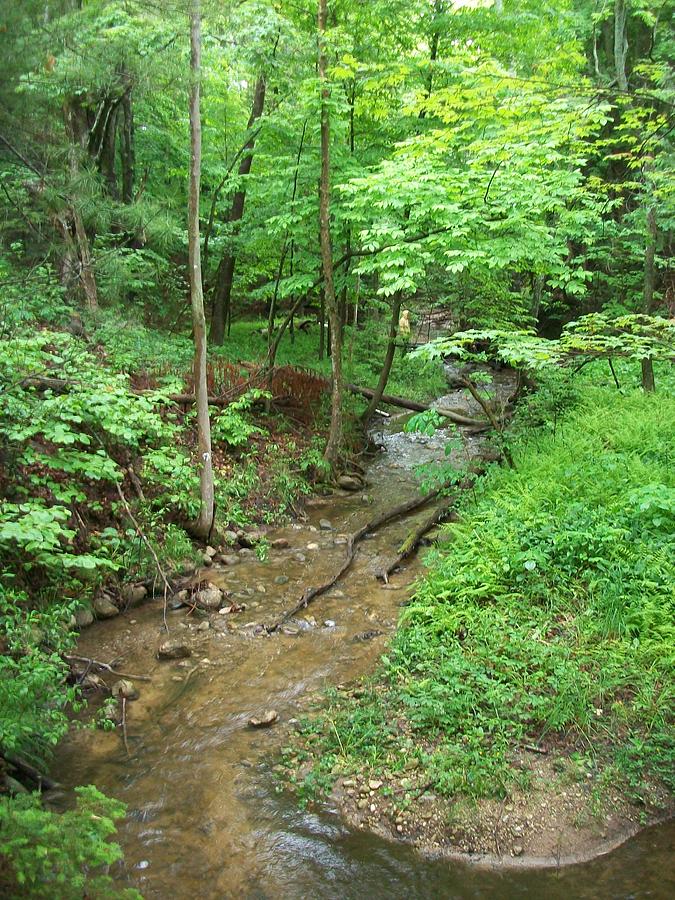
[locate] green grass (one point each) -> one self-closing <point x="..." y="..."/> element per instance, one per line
<point x="550" y="614"/>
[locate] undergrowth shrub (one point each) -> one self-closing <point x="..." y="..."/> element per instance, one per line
<point x="550" y="611"/>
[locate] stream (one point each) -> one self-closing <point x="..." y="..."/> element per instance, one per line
<point x="204" y="817"/>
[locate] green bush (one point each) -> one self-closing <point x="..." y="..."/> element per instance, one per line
<point x="62" y="856"/>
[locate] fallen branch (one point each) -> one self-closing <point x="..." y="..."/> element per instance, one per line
<point x="43" y="782"/>
<point x="412" y="541"/>
<point x="97" y="664"/>
<point x="352" y="542"/>
<point x="124" y="725"/>
<point x="414" y="406"/>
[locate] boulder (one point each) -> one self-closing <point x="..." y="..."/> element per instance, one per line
<point x="264" y="720"/>
<point x="83" y="617"/>
<point x="209" y="597"/>
<point x="124" y="690"/>
<point x="251" y="538"/>
<point x="173" y="648"/>
<point x="350" y="483"/>
<point x="133" y="594"/>
<point x="104" y="608"/>
<point x="279" y="544"/>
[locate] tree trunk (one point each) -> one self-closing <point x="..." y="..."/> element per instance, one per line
<point x="335" y="434"/>
<point x="647" y="365"/>
<point x="388" y="360"/>
<point x="127" y="148"/>
<point x="620" y="43"/>
<point x="85" y="263"/>
<point x="204" y="524"/>
<point x="225" y="275"/>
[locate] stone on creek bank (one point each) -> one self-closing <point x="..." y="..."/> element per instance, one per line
<point x="251" y="538"/>
<point x="325" y="525"/>
<point x="83" y="617"/>
<point x="350" y="482"/>
<point x="133" y="594"/>
<point x="280" y="544"/>
<point x="228" y="559"/>
<point x="269" y="717"/>
<point x="209" y="597"/>
<point x="281" y="579"/>
<point x="173" y="648"/>
<point x="104" y="608"/>
<point x="124" y="689"/>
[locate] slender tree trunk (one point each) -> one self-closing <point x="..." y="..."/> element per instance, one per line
<point x="222" y="296"/>
<point x="204" y="524"/>
<point x="388" y="360"/>
<point x="85" y="263"/>
<point x="335" y="435"/>
<point x="647" y="365"/>
<point x="127" y="149"/>
<point x="620" y="43"/>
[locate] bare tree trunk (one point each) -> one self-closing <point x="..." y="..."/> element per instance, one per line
<point x="127" y="149"/>
<point x="225" y="274"/>
<point x="647" y="365"/>
<point x="620" y="43"/>
<point x="388" y="360"/>
<point x="85" y="263"/>
<point x="204" y="524"/>
<point x="335" y="434"/>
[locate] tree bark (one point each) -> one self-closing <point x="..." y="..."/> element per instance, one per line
<point x="127" y="148"/>
<point x="225" y="274"/>
<point x="647" y="366"/>
<point x="204" y="524"/>
<point x="620" y="43"/>
<point x="335" y="434"/>
<point x="376" y="399"/>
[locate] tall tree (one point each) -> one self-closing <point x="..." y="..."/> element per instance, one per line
<point x="335" y="433"/>
<point x="204" y="523"/>
<point x="225" y="274"/>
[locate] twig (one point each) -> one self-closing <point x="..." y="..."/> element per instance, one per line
<point x="108" y="668"/>
<point x="124" y="725"/>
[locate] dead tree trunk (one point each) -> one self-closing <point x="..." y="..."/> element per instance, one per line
<point x="204" y="524"/>
<point x="222" y="296"/>
<point x="335" y="434"/>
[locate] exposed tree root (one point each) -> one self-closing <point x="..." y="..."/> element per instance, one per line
<point x="352" y="542"/>
<point x="412" y="541"/>
<point x="97" y="664"/>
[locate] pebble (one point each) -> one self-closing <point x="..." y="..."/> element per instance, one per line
<point x="300" y="557"/>
<point x="281" y="579"/>
<point x="261" y="589"/>
<point x="340" y="540"/>
<point x="329" y="623"/>
<point x="210" y="551"/>
<point x="517" y="850"/>
<point x="325" y="525"/>
<point x="124" y="689"/>
<point x="279" y="544"/>
<point x="374" y="784"/>
<point x="361" y="804"/>
<point x="312" y="546"/>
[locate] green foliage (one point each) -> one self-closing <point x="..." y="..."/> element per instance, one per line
<point x="33" y="695"/>
<point x="62" y="856"/>
<point x="550" y="611"/>
<point x="231" y="426"/>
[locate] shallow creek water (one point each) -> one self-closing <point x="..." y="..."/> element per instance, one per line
<point x="204" y="818"/>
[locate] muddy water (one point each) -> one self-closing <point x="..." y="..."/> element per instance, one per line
<point x="205" y="819"/>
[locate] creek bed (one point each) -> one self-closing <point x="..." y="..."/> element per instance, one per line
<point x="204" y="816"/>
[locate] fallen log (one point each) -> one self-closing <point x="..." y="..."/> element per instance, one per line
<point x="42" y="781"/>
<point x="352" y="541"/>
<point x="412" y="541"/>
<point x="414" y="406"/>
